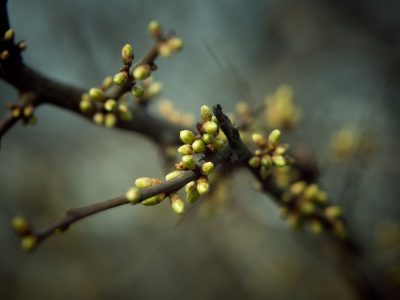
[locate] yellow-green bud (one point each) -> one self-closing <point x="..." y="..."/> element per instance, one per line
<point x="151" y="201"/>
<point x="297" y="188"/>
<point x="264" y="172"/>
<point x="127" y="54"/>
<point x="254" y="162"/>
<point x="266" y="161"/>
<point x="202" y="185"/>
<point x="137" y="91"/>
<point x="321" y="198"/>
<point x="85" y="96"/>
<point x="189" y="162"/>
<point x="144" y="182"/>
<point x="107" y="82"/>
<point x="307" y="208"/>
<point x="110" y="105"/>
<point x="86" y="106"/>
<point x="206" y="114"/>
<point x="192" y="193"/>
<point x="339" y="230"/>
<point x="217" y="145"/>
<point x="311" y="192"/>
<point x="215" y="120"/>
<point x="141" y="72"/>
<point x="155" y="29"/>
<point x="154" y="88"/>
<point x="9" y="35"/>
<point x="294" y="221"/>
<point x="186" y="150"/>
<point x="165" y="50"/>
<point x="279" y="160"/>
<point x="20" y="225"/>
<point x="16" y="112"/>
<point x="5" y="55"/>
<point x="96" y="94"/>
<point x="124" y="113"/>
<point x="175" y="43"/>
<point x="120" y="78"/>
<point x="110" y="120"/>
<point x="187" y="137"/>
<point x="208" y="138"/>
<point x="178" y="206"/>
<point x="207" y="168"/>
<point x="259" y="140"/>
<point x="333" y="212"/>
<point x="28" y="110"/>
<point x="172" y="175"/>
<point x="274" y="139"/>
<point x="28" y="243"/>
<point x="98" y="118"/>
<point x="133" y="195"/>
<point x="316" y="227"/>
<point x="280" y="151"/>
<point x="199" y="146"/>
<point x="190" y="187"/>
<point x="209" y="127"/>
<point x="22" y="46"/>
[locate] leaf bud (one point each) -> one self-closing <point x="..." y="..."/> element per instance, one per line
<point x="193" y="196"/>
<point x="266" y="161"/>
<point x="208" y="138"/>
<point x="202" y="185"/>
<point x="120" y="78"/>
<point x="187" y="137"/>
<point x="279" y="160"/>
<point x="28" y="243"/>
<point x="216" y="145"/>
<point x="316" y="227"/>
<point x="254" y="162"/>
<point x="175" y="43"/>
<point x="206" y="114"/>
<point x="274" y="139"/>
<point x="86" y="106"/>
<point x="209" y="127"/>
<point x="133" y="195"/>
<point x="155" y="29"/>
<point x="190" y="187"/>
<point x="20" y="225"/>
<point x="28" y="110"/>
<point x="9" y="35"/>
<point x="333" y="212"/>
<point x="96" y="94"/>
<point x="5" y="55"/>
<point x="264" y="172"/>
<point x="98" y="118"/>
<point x="259" y="140"/>
<point x="172" y="175"/>
<point x="207" y="168"/>
<point x="199" y="146"/>
<point x="127" y="54"/>
<point x="186" y="150"/>
<point x="107" y="82"/>
<point x="110" y="120"/>
<point x="110" y="105"/>
<point x="137" y="91"/>
<point x="141" y="72"/>
<point x="189" y="162"/>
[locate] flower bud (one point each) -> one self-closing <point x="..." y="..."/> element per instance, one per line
<point x="217" y="145"/>
<point x="206" y="114"/>
<point x="133" y="195"/>
<point x="209" y="127"/>
<point x="110" y="120"/>
<point x="178" y="206"/>
<point x="28" y="110"/>
<point x="20" y="225"/>
<point x="141" y="72"/>
<point x="280" y="151"/>
<point x="175" y="43"/>
<point x="5" y="55"/>
<point x="120" y="78"/>
<point x="107" y="82"/>
<point x="127" y="54"/>
<point x="189" y="162"/>
<point x="165" y="50"/>
<point x="172" y="175"/>
<point x="152" y="200"/>
<point x="9" y="35"/>
<point x="22" y="46"/>
<point x="192" y="197"/>
<point x="333" y="212"/>
<point x="254" y="162"/>
<point x="110" y="105"/>
<point x="215" y="120"/>
<point x="86" y="96"/>
<point x="185" y="150"/>
<point x="86" y="106"/>
<point x="98" y="118"/>
<point x="307" y="208"/>
<point x="144" y="182"/>
<point x="96" y="94"/>
<point x="16" y="112"/>
<point x="155" y="29"/>
<point x="207" y="168"/>
<point x="316" y="227"/>
<point x="259" y="140"/>
<point x="28" y="243"/>
<point x="187" y="137"/>
<point x="266" y="161"/>
<point x="208" y="138"/>
<point x="202" y="185"/>
<point x="199" y="146"/>
<point x="294" y="220"/>
<point x="124" y="113"/>
<point x="137" y="91"/>
<point x="297" y="188"/>
<point x="279" y="160"/>
<point x="311" y="191"/>
<point x="274" y="139"/>
<point x="264" y="172"/>
<point x="321" y="198"/>
<point x="190" y="187"/>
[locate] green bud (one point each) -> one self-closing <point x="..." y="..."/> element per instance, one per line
<point x="155" y="29"/>
<point x="172" y="175"/>
<point x="178" y="206"/>
<point x="280" y="151"/>
<point x="307" y="208"/>
<point x="279" y="160"/>
<point x="127" y="54"/>
<point x="151" y="201"/>
<point x="124" y="113"/>
<point x="266" y="161"/>
<point x="274" y="139"/>
<point x="28" y="243"/>
<point x="107" y="82"/>
<point x="165" y="50"/>
<point x="144" y="182"/>
<point x="110" y="120"/>
<point x="264" y="172"/>
<point x="311" y="192"/>
<point x="175" y="43"/>
<point x="22" y="46"/>
<point x="20" y="225"/>
<point x="28" y="110"/>
<point x="316" y="227"/>
<point x="86" y="106"/>
<point x="110" y="105"/>
<point x="209" y="127"/>
<point x="133" y="195"/>
<point x="207" y="168"/>
<point x="185" y="150"/>
<point x="141" y="72"/>
<point x="297" y="188"/>
<point x="202" y="185"/>
<point x="137" y="91"/>
<point x="190" y="187"/>
<point x="9" y="35"/>
<point x="321" y="198"/>
<point x="254" y="162"/>
<point x="193" y="196"/>
<point x="187" y="137"/>
<point x="120" y="78"/>
<point x="189" y="162"/>
<point x="98" y="118"/>
<point x="333" y="212"/>
<point x="215" y="120"/>
<point x="217" y="145"/>
<point x="96" y="94"/>
<point x="208" y="138"/>
<point x="199" y="146"/>
<point x="259" y="140"/>
<point x="206" y="114"/>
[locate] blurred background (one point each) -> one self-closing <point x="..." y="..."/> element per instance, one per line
<point x="341" y="60"/>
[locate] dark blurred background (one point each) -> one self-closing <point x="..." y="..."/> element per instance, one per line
<point x="342" y="59"/>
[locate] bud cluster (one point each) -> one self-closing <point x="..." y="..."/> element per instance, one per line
<point x="273" y="153"/>
<point x="23" y="228"/>
<point x="301" y="204"/>
<point x="25" y="113"/>
<point x="133" y="195"/>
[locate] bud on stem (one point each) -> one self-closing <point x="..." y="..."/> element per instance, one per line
<point x="207" y="168"/>
<point x="202" y="185"/>
<point x="274" y="139"/>
<point x="127" y="54"/>
<point x="206" y="114"/>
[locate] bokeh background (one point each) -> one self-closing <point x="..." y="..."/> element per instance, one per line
<point x="342" y="59"/>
